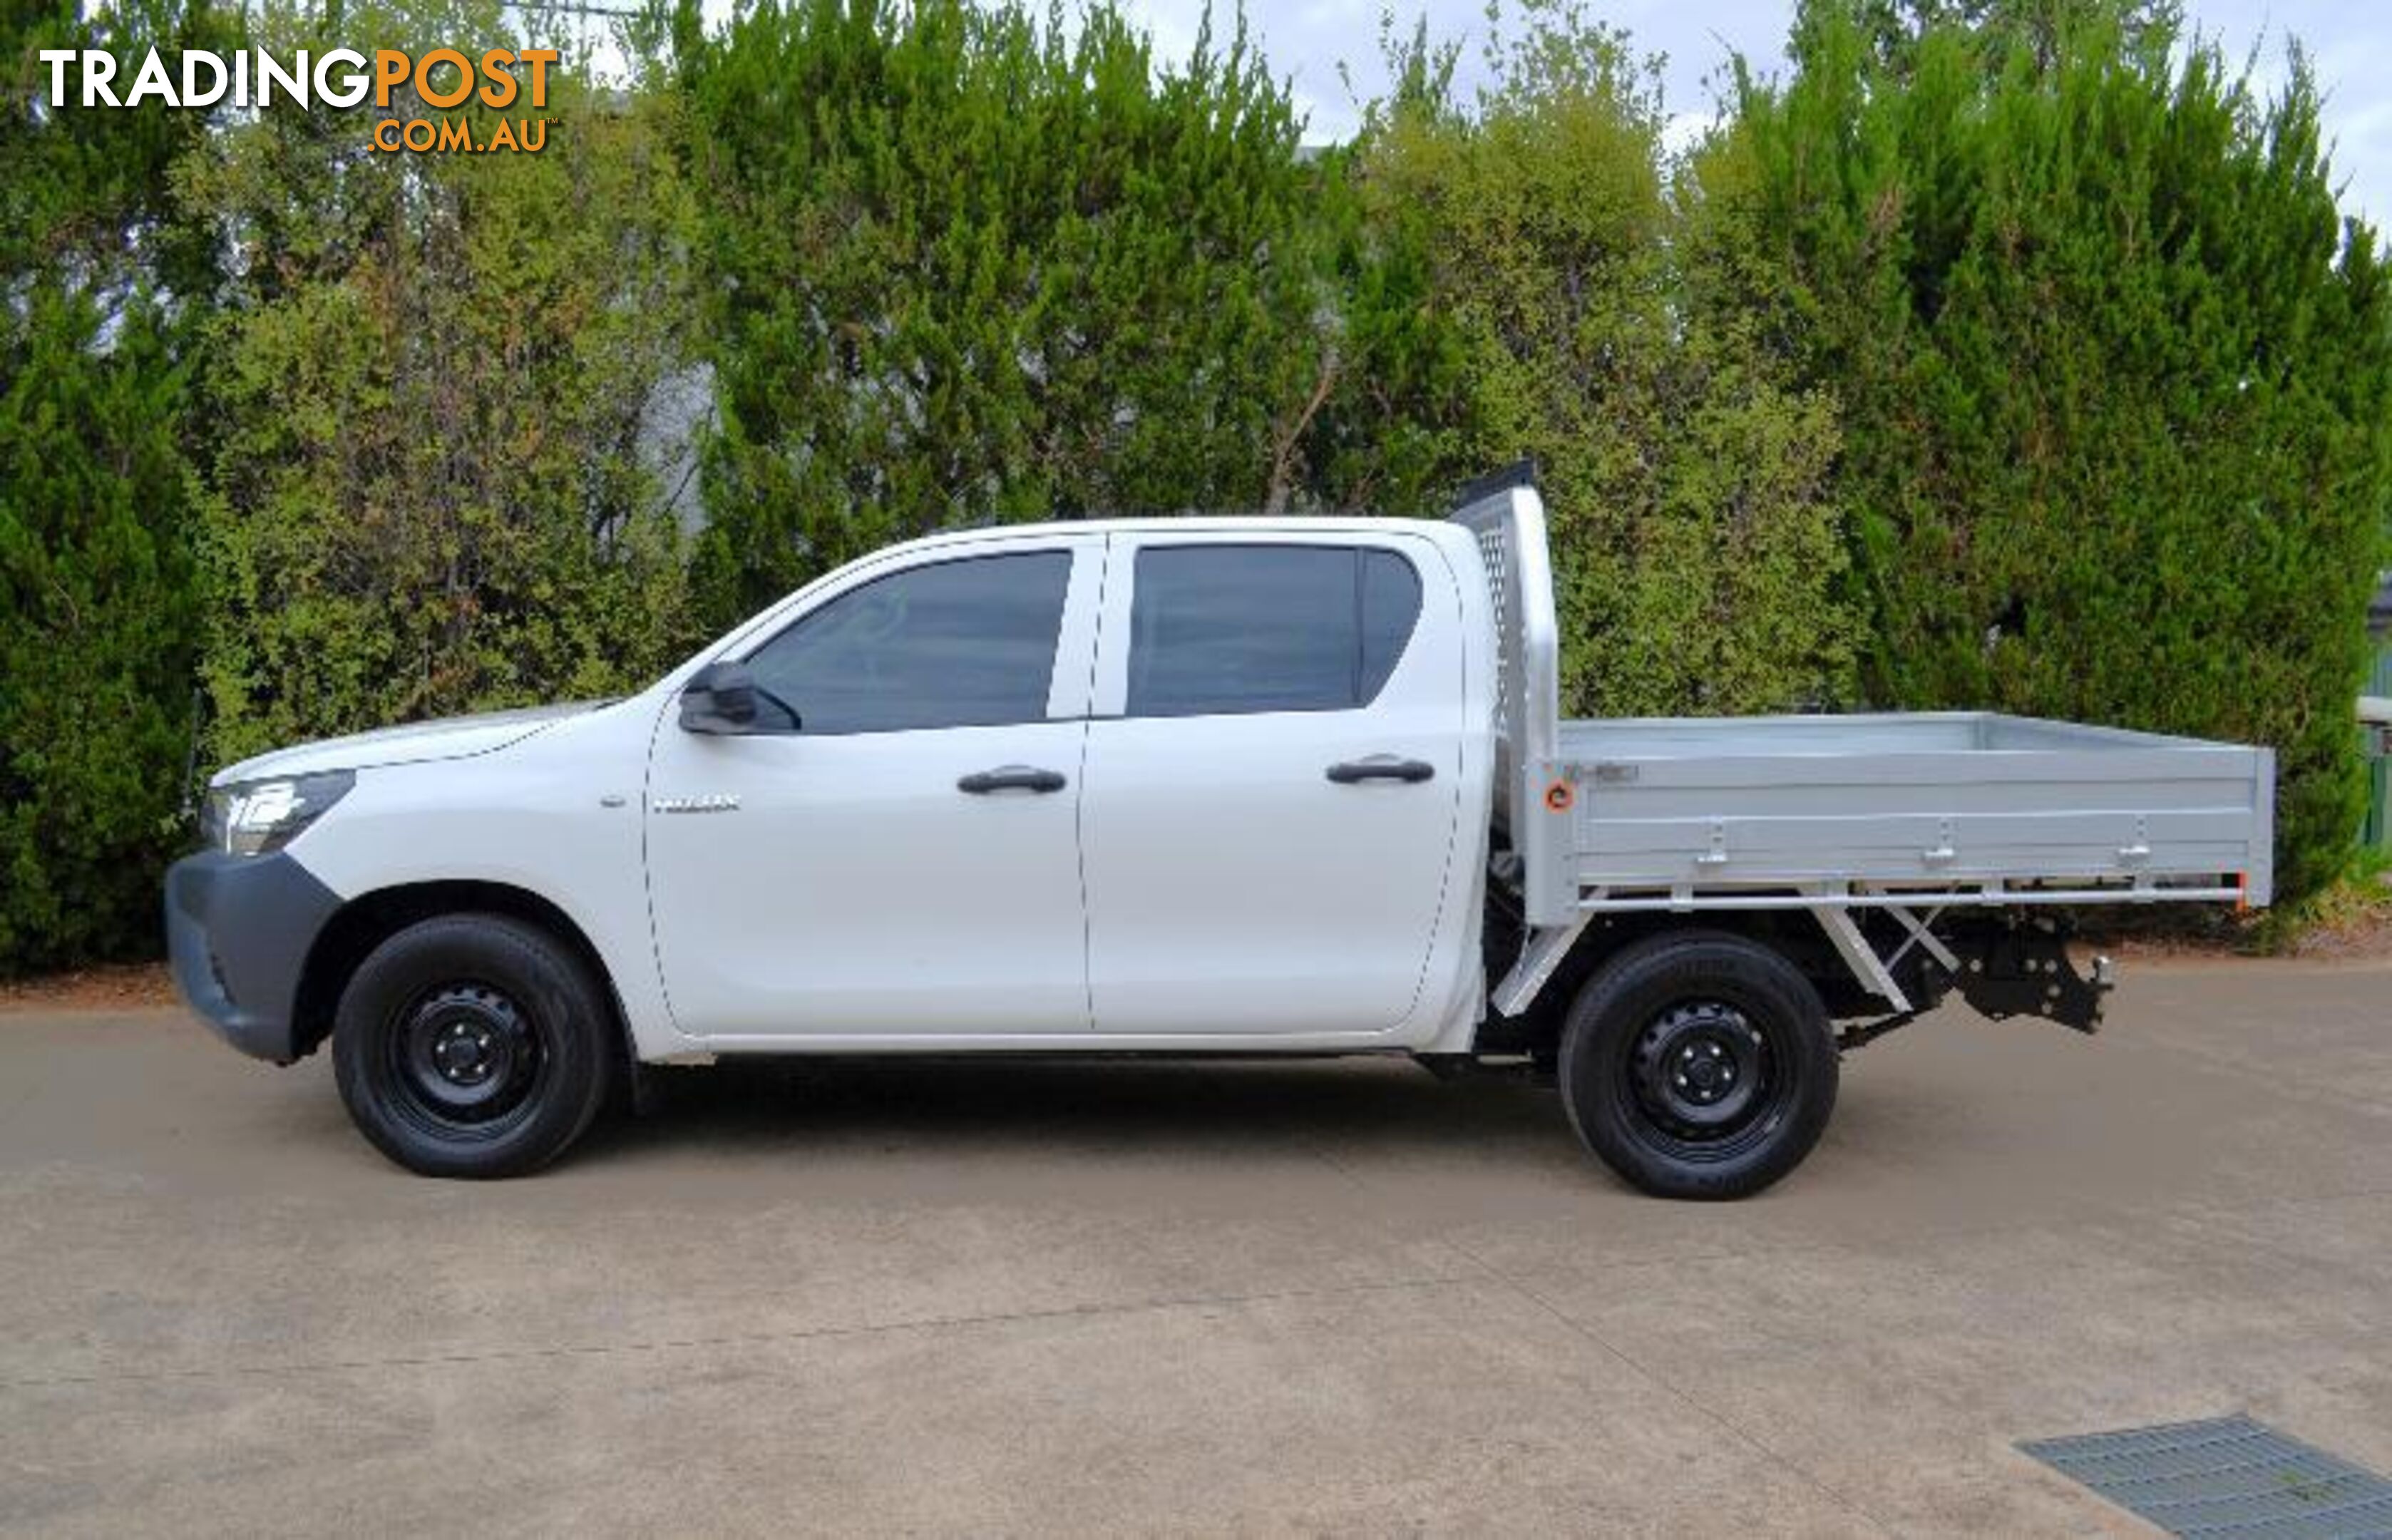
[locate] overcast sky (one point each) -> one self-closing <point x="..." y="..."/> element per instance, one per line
<point x="2350" y="43"/>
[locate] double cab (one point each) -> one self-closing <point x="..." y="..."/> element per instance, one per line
<point x="1294" y="786"/>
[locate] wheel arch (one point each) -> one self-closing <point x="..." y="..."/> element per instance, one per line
<point x="1792" y="934"/>
<point x="370" y="918"/>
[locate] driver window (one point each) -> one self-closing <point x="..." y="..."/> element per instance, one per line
<point x="961" y="644"/>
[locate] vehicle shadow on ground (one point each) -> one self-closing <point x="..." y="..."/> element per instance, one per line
<point x="1187" y="1109"/>
<point x="1481" y="1143"/>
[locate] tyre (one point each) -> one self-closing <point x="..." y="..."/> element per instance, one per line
<point x="473" y="1045"/>
<point x="1699" y="1065"/>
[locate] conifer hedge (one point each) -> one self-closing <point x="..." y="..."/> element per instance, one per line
<point x="2116" y="379"/>
<point x="2005" y="354"/>
<point x="963" y="268"/>
<point x="102" y="303"/>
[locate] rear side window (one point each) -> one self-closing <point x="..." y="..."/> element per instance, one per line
<point x="960" y="644"/>
<point x="1219" y="630"/>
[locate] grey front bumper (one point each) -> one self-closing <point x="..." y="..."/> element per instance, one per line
<point x="239" y="929"/>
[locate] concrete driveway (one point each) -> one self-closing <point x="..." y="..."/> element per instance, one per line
<point x="1320" y="1298"/>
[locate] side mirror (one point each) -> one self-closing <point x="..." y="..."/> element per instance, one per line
<point x="720" y="699"/>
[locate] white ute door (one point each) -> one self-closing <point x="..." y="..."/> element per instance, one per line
<point x="1273" y="782"/>
<point x="905" y="859"/>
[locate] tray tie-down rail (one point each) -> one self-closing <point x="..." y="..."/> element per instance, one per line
<point x="2012" y="963"/>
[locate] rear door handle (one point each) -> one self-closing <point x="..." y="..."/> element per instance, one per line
<point x="1381" y="767"/>
<point x="1011" y="777"/>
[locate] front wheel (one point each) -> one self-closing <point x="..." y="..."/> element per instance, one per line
<point x="472" y="1046"/>
<point x="1699" y="1065"/>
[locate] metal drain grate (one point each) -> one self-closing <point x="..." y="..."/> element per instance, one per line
<point x="2227" y="1476"/>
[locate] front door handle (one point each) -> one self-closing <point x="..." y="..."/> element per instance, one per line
<point x="1011" y="777"/>
<point x="1381" y="767"/>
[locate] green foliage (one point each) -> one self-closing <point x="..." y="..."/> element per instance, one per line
<point x="963" y="268"/>
<point x="96" y="273"/>
<point x="85" y="196"/>
<point x="2032" y="32"/>
<point x="1395" y="431"/>
<point x="2114" y="377"/>
<point x="428" y="493"/>
<point x="2010" y="353"/>
<point x="1696" y="541"/>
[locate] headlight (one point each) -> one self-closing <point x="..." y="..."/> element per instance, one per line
<point x="257" y="817"/>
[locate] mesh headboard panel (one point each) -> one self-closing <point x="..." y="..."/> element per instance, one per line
<point x="1510" y="528"/>
<point x="1493" y="544"/>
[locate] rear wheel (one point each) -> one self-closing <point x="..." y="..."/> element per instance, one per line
<point x="1699" y="1065"/>
<point x="472" y="1046"/>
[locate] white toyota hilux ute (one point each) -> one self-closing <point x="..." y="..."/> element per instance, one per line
<point x="1187" y="786"/>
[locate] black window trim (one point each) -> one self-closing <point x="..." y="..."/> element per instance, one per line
<point x="1071" y="551"/>
<point x="1245" y="540"/>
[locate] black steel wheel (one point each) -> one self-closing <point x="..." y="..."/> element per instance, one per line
<point x="465" y="1057"/>
<point x="1698" y="1064"/>
<point x="472" y="1046"/>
